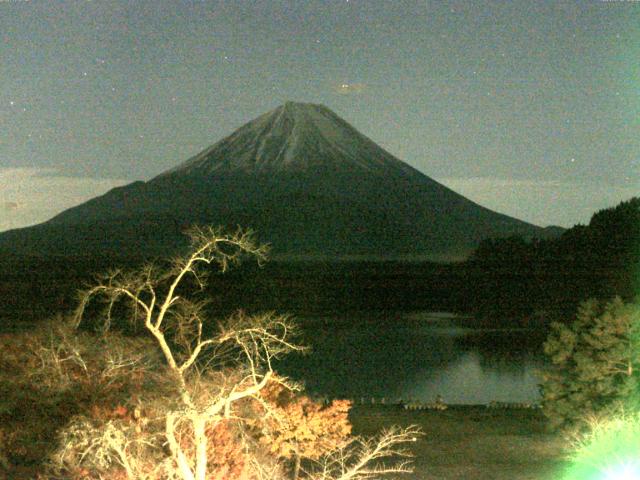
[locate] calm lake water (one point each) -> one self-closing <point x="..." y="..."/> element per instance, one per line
<point x="417" y="356"/>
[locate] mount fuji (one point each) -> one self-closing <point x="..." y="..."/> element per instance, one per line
<point x="305" y="180"/>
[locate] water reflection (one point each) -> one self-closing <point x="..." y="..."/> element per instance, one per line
<point x="467" y="381"/>
<point x="413" y="358"/>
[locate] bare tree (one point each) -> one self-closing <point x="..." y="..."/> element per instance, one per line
<point x="207" y="391"/>
<point x="362" y="458"/>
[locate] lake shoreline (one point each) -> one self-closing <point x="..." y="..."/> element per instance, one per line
<point x="416" y="358"/>
<point x="472" y="442"/>
<point x="437" y="319"/>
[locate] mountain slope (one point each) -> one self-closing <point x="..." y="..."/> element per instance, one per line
<point x="303" y="178"/>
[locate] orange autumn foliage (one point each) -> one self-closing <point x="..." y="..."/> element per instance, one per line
<point x="226" y="457"/>
<point x="298" y="426"/>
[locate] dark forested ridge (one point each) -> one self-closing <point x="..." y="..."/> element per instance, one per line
<point x="547" y="278"/>
<point x="509" y="281"/>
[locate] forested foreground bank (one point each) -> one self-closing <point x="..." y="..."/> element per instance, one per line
<point x="496" y="296"/>
<point x="506" y="282"/>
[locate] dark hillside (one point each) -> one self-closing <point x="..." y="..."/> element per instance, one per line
<point x="548" y="278"/>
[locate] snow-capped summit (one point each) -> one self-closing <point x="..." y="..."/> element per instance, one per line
<point x="293" y="137"/>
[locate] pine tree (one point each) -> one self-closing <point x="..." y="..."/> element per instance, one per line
<point x="593" y="364"/>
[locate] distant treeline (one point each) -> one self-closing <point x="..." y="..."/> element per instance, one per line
<point x="508" y="281"/>
<point x="546" y="279"/>
<point x="34" y="288"/>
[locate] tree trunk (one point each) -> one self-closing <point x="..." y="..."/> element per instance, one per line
<point x="200" y="438"/>
<point x="296" y="465"/>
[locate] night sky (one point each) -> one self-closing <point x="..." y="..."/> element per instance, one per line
<point x="530" y="108"/>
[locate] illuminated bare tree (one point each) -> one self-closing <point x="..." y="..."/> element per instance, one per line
<point x="361" y="458"/>
<point x="211" y="376"/>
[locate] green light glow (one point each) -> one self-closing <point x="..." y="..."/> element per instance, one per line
<point x="611" y="448"/>
<point x="611" y="451"/>
<point x="624" y="471"/>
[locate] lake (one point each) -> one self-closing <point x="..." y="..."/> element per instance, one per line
<point x="417" y="356"/>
